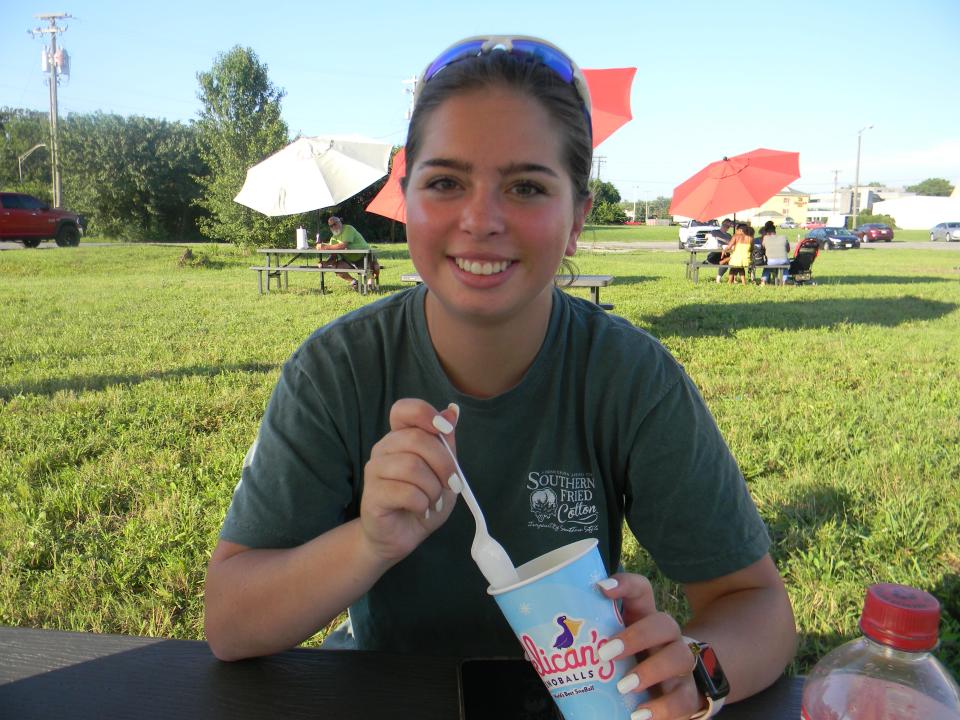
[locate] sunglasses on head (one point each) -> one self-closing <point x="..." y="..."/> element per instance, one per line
<point x="519" y="45"/>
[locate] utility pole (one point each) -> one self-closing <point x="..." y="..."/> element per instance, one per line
<point x="836" y="173"/>
<point x="856" y="181"/>
<point x="57" y="63"/>
<point x="599" y="160"/>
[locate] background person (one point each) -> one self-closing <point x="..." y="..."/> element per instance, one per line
<point x="347" y="237"/>
<point x="720" y="237"/>
<point x="777" y="249"/>
<point x="740" y="249"/>
<point x="344" y="500"/>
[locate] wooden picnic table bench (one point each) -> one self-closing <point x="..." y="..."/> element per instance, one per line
<point x="594" y="282"/>
<point x="275" y="270"/>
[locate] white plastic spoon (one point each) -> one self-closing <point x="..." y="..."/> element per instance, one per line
<point x="487" y="553"/>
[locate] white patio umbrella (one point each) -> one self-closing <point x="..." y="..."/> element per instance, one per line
<point x="313" y="173"/>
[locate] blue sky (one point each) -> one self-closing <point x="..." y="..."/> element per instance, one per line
<point x="713" y="79"/>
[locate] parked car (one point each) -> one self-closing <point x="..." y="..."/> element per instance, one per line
<point x="949" y="231"/>
<point x="813" y="225"/>
<point x="30" y="220"/>
<point x="871" y="232"/>
<point x="788" y="224"/>
<point x="834" y="238"/>
<point x="694" y="233"/>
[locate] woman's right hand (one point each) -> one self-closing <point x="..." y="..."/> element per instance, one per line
<point x="405" y="492"/>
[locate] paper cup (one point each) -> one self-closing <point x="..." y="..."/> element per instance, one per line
<point x="562" y="620"/>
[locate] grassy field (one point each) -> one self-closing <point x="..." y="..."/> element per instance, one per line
<point x="131" y="386"/>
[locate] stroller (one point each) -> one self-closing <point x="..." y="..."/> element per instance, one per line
<point x="803" y="256"/>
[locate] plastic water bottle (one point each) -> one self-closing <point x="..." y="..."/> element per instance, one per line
<point x="888" y="673"/>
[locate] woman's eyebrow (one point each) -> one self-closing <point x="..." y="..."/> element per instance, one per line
<point x="511" y="169"/>
<point x="515" y="168"/>
<point x="447" y="163"/>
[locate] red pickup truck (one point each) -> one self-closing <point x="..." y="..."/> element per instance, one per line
<point x="29" y="219"/>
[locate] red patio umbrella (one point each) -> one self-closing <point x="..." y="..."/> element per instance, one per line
<point x="738" y="183"/>
<point x="609" y="96"/>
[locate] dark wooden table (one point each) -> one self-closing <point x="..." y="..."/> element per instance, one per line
<point x="51" y="674"/>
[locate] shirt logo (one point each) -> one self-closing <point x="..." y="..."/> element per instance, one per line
<point x="563" y="501"/>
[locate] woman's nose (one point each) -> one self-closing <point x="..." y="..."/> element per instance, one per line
<point x="482" y="213"/>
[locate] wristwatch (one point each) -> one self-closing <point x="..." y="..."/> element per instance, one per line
<point x="709" y="676"/>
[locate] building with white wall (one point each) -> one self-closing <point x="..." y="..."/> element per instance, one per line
<point x="920" y="212"/>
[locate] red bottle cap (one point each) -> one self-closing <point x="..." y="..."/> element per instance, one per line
<point x="901" y="617"/>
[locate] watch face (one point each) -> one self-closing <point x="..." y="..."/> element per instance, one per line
<point x="710" y="678"/>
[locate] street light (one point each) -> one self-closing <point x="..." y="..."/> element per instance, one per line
<point x="856" y="181"/>
<point x="21" y="158"/>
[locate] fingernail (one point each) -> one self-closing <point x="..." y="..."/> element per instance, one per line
<point x="628" y="683"/>
<point x="441" y="424"/>
<point x="439" y="505"/>
<point x="608" y="583"/>
<point x="426" y="515"/>
<point x="455" y="408"/>
<point x="610" y="650"/>
<point x="454" y="483"/>
<point x="641" y="714"/>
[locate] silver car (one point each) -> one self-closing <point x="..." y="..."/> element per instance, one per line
<point x="949" y="231"/>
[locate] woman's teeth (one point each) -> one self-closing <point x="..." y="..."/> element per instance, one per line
<point x="475" y="267"/>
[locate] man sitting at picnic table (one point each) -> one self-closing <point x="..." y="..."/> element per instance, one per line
<point x="347" y="237"/>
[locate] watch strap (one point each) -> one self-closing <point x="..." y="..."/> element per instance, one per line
<point x="713" y="705"/>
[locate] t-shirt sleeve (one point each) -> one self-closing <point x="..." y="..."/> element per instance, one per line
<point x="297" y="480"/>
<point x="686" y="500"/>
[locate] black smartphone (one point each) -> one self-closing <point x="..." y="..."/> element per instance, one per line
<point x="504" y="689"/>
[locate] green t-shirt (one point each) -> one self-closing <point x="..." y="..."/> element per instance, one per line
<point x="605" y="426"/>
<point x="352" y="238"/>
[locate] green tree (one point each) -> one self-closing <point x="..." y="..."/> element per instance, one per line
<point x="606" y="201"/>
<point x="133" y="177"/>
<point x="865" y="217"/>
<point x="932" y="186"/>
<point x="604" y="192"/>
<point x="606" y="214"/>
<point x="21" y="130"/>
<point x="239" y="126"/>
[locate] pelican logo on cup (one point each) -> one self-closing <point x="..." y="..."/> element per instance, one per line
<point x="568" y="662"/>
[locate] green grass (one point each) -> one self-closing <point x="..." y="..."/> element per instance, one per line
<point x="131" y="386"/>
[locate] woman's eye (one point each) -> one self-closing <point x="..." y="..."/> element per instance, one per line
<point x="527" y="189"/>
<point x="442" y="184"/>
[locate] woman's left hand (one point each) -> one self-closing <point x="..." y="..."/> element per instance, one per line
<point x="667" y="667"/>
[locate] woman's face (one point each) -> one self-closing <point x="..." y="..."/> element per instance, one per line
<point x="490" y="205"/>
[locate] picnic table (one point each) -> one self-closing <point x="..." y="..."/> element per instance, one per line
<point x="276" y="269"/>
<point x="694" y="265"/>
<point x="52" y="674"/>
<point x="594" y="282"/>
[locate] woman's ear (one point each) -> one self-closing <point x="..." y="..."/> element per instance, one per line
<point x="581" y="209"/>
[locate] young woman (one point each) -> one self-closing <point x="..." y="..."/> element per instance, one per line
<point x="344" y="500"/>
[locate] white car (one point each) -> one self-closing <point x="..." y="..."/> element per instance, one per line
<point x="695" y="233"/>
<point x="949" y="231"/>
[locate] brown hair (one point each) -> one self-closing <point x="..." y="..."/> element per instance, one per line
<point x="525" y="75"/>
